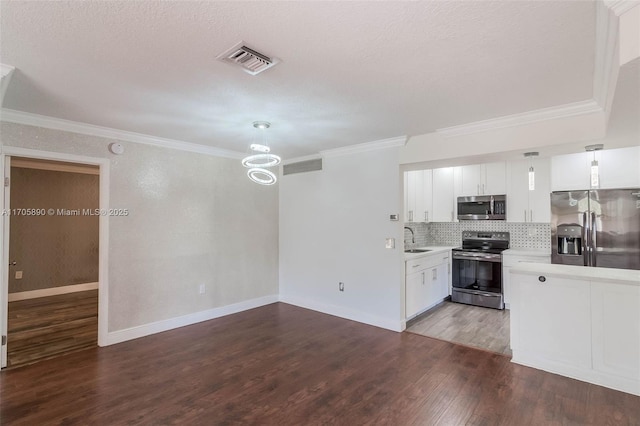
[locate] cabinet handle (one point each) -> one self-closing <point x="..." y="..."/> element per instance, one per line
<point x="449" y="268"/>
<point x="426" y="219"/>
<point x="452" y="216"/>
<point x="415" y="266"/>
<point x="423" y="278"/>
<point x="478" y="189"/>
<point x="483" y="191"/>
<point x="434" y="274"/>
<point x="410" y="215"/>
<point x="530" y="215"/>
<point x="525" y="215"/>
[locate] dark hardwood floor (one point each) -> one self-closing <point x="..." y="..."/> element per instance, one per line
<point x="46" y="327"/>
<point x="284" y="365"/>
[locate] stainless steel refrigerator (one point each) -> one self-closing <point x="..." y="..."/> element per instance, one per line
<point x="599" y="227"/>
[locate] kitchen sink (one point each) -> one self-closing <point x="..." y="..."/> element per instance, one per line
<point x="417" y="251"/>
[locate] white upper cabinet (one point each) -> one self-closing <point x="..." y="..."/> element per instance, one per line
<point x="618" y="168"/>
<point x="483" y="179"/>
<point x="524" y="205"/>
<point x="443" y="195"/>
<point x="418" y="199"/>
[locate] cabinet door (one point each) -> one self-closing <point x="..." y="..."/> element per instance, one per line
<point x="540" y="197"/>
<point x="406" y="196"/>
<point x="616" y="328"/>
<point x="414" y="179"/>
<point x="619" y="168"/>
<point x="494" y="179"/>
<point x="427" y="196"/>
<point x="443" y="197"/>
<point x="471" y="180"/>
<point x="443" y="281"/>
<point x="570" y="172"/>
<point x="518" y="191"/>
<point x="414" y="293"/>
<point x="553" y="319"/>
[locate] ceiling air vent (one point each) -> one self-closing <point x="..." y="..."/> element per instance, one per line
<point x="249" y="60"/>
<point x="302" y="167"/>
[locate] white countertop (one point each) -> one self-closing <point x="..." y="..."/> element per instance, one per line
<point x="526" y="252"/>
<point x="626" y="276"/>
<point x="432" y="250"/>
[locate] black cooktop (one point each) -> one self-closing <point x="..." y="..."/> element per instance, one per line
<point x="484" y="242"/>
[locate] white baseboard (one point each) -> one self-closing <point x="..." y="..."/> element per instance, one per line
<point x="343" y="312"/>
<point x="53" y="291"/>
<point x="119" y="336"/>
<point x="628" y="385"/>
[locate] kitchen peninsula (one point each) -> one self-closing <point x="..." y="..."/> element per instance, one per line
<point x="576" y="321"/>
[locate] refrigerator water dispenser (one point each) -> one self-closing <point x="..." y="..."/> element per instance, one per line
<point x="570" y="240"/>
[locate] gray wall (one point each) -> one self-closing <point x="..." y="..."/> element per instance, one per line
<point x="53" y="250"/>
<point x="195" y="219"/>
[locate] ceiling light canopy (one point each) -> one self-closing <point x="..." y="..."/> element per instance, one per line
<point x="257" y="162"/>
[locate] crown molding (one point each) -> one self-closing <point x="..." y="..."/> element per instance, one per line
<point x="619" y="7"/>
<point x="5" y="70"/>
<point x="365" y="147"/>
<point x="561" y="111"/>
<point x="20" y="117"/>
<point x="605" y="55"/>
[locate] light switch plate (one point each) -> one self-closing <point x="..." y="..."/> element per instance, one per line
<point x="18" y="275"/>
<point x="390" y="243"/>
<point x="393" y="217"/>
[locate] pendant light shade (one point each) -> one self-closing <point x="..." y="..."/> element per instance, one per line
<point x="532" y="172"/>
<point x="594" y="172"/>
<point x="260" y="159"/>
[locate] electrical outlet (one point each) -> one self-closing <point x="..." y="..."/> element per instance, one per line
<point x="390" y="243"/>
<point x="341" y="286"/>
<point x="202" y="289"/>
<point x="18" y="275"/>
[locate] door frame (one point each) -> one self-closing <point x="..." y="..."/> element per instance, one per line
<point x="103" y="243"/>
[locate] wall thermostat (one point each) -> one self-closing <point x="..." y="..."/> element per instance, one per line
<point x="116" y="148"/>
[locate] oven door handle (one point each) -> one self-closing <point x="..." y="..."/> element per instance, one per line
<point x="480" y="258"/>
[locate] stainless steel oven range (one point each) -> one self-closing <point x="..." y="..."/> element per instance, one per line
<point x="477" y="269"/>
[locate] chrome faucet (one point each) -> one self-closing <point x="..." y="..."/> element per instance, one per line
<point x="413" y="236"/>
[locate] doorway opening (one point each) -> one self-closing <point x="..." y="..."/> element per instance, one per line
<point x="53" y="258"/>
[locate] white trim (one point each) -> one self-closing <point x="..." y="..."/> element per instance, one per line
<point x="567" y="110"/>
<point x="342" y="312"/>
<point x="629" y="385"/>
<point x="605" y="56"/>
<point x="365" y="147"/>
<point x="30" y="119"/>
<point x="103" y="244"/>
<point x="52" y="291"/>
<point x="26" y="163"/>
<point x="620" y="7"/>
<point x="196" y="317"/>
<point x="5" y="70"/>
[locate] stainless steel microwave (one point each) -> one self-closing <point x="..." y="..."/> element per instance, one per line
<point x="482" y="207"/>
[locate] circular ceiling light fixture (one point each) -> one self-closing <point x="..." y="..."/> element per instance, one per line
<point x="261" y="160"/>
<point x="262" y="176"/>
<point x="257" y="163"/>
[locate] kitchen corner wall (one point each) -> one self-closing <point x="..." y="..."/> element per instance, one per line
<point x="523" y="235"/>
<point x="333" y="226"/>
<point x="194" y="219"/>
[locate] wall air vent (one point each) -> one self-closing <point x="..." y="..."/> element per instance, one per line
<point x="247" y="58"/>
<point x="302" y="167"/>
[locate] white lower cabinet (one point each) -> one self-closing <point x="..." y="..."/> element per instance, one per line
<point x="554" y="319"/>
<point x="615" y="324"/>
<point x="584" y="328"/>
<point x="427" y="281"/>
<point x="511" y="258"/>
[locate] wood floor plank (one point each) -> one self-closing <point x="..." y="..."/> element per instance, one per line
<point x="46" y="327"/>
<point x="285" y="365"/>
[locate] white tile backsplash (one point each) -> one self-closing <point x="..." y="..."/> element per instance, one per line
<point x="523" y="235"/>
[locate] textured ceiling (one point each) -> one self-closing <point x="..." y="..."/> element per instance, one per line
<point x="351" y="72"/>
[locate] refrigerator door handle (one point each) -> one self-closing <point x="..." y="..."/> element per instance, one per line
<point x="585" y="238"/>
<point x="594" y="243"/>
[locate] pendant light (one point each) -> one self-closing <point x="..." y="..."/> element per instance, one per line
<point x="532" y="172"/>
<point x="594" y="174"/>
<point x="262" y="158"/>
